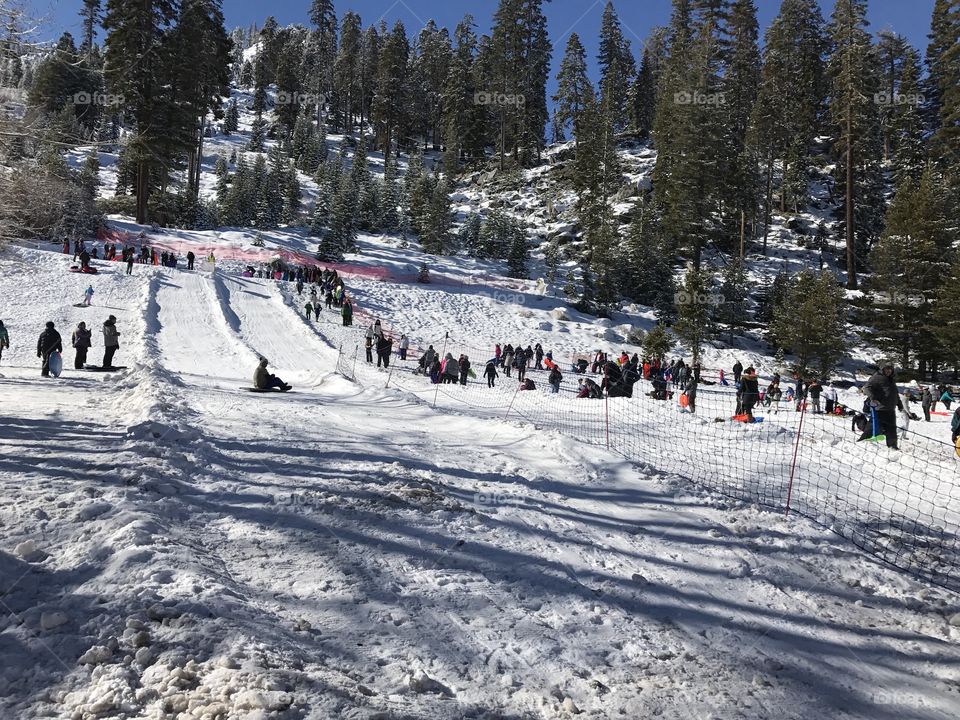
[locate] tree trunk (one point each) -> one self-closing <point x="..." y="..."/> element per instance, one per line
<point x="851" y="239"/>
<point x="143" y="182"/>
<point x="769" y="199"/>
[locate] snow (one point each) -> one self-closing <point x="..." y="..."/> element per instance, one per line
<point x="172" y="546"/>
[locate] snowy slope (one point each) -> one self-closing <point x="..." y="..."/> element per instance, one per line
<point x="172" y="546"/>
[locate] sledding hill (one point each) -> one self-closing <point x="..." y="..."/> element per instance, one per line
<point x="161" y="523"/>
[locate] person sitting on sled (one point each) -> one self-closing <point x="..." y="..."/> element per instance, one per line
<point x="263" y="380"/>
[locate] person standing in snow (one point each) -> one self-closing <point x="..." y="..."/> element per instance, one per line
<point x="946" y="398"/>
<point x="111" y="341"/>
<point x="814" y="389"/>
<point x="47" y="345"/>
<point x="299" y="287"/>
<point x="368" y="347"/>
<point x="926" y="402"/>
<point x="309" y="310"/>
<point x="882" y="395"/>
<point x="88" y="296"/>
<point x="81" y="340"/>
<point x="346" y="313"/>
<point x="464" y="369"/>
<point x="737" y="372"/>
<point x="830" y="399"/>
<point x="554" y="380"/>
<point x="4" y="339"/>
<point x="191" y="258"/>
<point x="538" y="354"/>
<point x="490" y="373"/>
<point x="749" y="392"/>
<point x="316" y="309"/>
<point x="955" y="425"/>
<point x="404" y="346"/>
<point x="690" y="390"/>
<point x="521" y="365"/>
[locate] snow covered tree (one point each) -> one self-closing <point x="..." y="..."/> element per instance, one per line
<point x="90" y="15"/>
<point x="855" y="121"/>
<point x="657" y="343"/>
<point x="694" y="300"/>
<point x="617" y="68"/>
<point x="518" y="254"/>
<point x="946" y="310"/>
<point x="574" y="88"/>
<point x="222" y="170"/>
<point x="231" y="120"/>
<point x="463" y="117"/>
<point x="810" y="323"/>
<point x="390" y="198"/>
<point x="908" y="264"/>
<point x="292" y="195"/>
<point x="468" y="237"/>
<point x="390" y="99"/>
<point x="436" y="220"/>
<point x="732" y="311"/>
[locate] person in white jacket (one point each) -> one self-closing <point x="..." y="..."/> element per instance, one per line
<point x="829" y="399"/>
<point x="404" y="346"/>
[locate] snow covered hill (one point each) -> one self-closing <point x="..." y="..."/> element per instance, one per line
<point x="172" y="546"/>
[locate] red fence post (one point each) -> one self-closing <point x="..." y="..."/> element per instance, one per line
<point x="796" y="450"/>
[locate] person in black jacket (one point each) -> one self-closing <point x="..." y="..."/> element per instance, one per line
<point x="749" y="392"/>
<point x="882" y="395"/>
<point x="47" y="345"/>
<point x="490" y="373"/>
<point x="737" y="372"/>
<point x="81" y="340"/>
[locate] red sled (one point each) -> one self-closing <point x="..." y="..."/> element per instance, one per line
<point x="85" y="271"/>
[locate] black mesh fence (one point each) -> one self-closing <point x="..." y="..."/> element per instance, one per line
<point x="901" y="506"/>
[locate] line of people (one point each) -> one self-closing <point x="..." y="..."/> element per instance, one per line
<point x="81" y="340"/>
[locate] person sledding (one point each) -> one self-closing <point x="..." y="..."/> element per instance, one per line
<point x="263" y="380"/>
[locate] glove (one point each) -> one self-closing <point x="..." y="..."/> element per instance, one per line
<point x="874" y="404"/>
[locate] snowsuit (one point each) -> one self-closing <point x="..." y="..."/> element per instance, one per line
<point x="749" y="394"/>
<point x="554" y="380"/>
<point x="881" y="391"/>
<point x="490" y="373"/>
<point x="81" y="340"/>
<point x="47" y="345"/>
<point x="111" y="342"/>
<point x="88" y="296"/>
<point x="521" y="363"/>
<point x="691" y="392"/>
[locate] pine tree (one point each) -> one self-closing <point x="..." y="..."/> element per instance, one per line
<point x="468" y="237"/>
<point x="429" y="69"/>
<point x="292" y="195"/>
<point x="574" y="89"/>
<point x="811" y="323"/>
<point x="231" y="121"/>
<point x="463" y="117"/>
<point x="943" y="57"/>
<point x="90" y="15"/>
<point x="437" y="219"/>
<point x="732" y="311"/>
<point x="518" y="254"/>
<point x="322" y="50"/>
<point x="694" y="326"/>
<point x="135" y="57"/>
<point x="341" y="234"/>
<point x="946" y="310"/>
<point x="648" y="278"/>
<point x="854" y="117"/>
<point x="392" y="84"/>
<point x="390" y="200"/>
<point x="907" y="264"/>
<point x="789" y="103"/>
<point x="222" y="171"/>
<point x="346" y="69"/>
<point x="617" y="68"/>
<point x="517" y="62"/>
<point x="657" y="343"/>
<point x="943" y="37"/>
<point x="906" y="127"/>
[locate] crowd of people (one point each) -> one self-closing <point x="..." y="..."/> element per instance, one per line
<point x="81" y="341"/>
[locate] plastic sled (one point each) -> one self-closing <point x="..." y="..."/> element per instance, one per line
<point x="89" y="271"/>
<point x="55" y="364"/>
<point x="277" y="391"/>
<point x="98" y="368"/>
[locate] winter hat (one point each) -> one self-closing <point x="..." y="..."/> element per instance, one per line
<point x="112" y="317"/>
<point x="81" y="325"/>
<point x="49" y="325"/>
<point x="263" y="362"/>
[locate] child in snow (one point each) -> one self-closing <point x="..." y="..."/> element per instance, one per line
<point x="490" y="373"/>
<point x="4" y="339"/>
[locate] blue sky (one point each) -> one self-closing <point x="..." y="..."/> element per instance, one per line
<point x="910" y="18"/>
